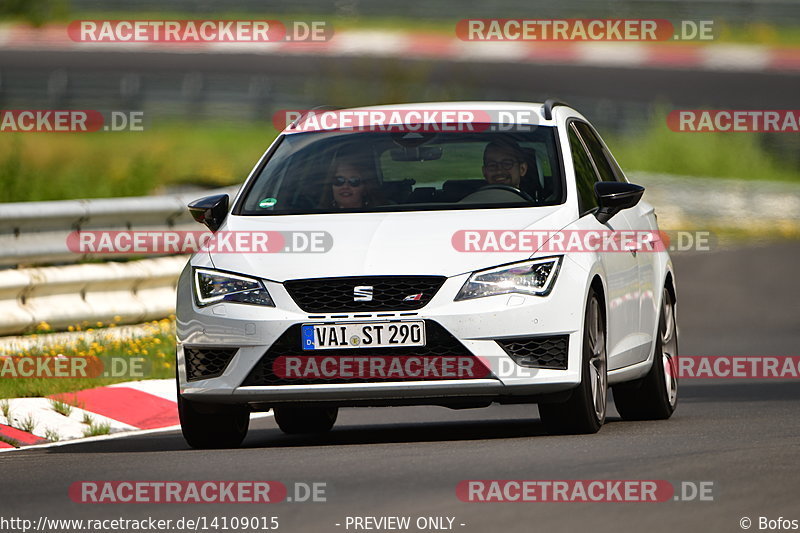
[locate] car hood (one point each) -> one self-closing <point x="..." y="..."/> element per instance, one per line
<point x="374" y="244"/>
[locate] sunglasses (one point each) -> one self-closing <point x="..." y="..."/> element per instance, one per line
<point x="338" y="181"/>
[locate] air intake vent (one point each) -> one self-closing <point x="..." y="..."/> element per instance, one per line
<point x="204" y="363"/>
<point x="538" y="352"/>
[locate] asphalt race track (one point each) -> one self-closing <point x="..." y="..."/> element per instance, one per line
<point x="744" y="436"/>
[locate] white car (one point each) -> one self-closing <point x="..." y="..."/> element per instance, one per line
<point x="453" y="254"/>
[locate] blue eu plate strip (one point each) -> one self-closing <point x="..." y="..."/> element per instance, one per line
<point x="307" y="336"/>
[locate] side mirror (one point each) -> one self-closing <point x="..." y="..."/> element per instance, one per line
<point x="614" y="196"/>
<point x="210" y="210"/>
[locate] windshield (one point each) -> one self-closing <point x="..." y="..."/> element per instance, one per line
<point x="335" y="171"/>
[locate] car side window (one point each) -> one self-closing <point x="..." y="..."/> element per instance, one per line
<point x="585" y="175"/>
<point x="597" y="152"/>
<point x="608" y="168"/>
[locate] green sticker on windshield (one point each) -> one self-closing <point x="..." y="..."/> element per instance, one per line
<point x="267" y="202"/>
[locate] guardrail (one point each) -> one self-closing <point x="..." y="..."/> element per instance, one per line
<point x="34" y="233"/>
<point x="125" y="293"/>
<point x="685" y="202"/>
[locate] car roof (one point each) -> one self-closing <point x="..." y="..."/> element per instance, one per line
<point x="490" y="107"/>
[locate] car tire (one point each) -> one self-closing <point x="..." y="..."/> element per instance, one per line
<point x="585" y="410"/>
<point x="294" y="420"/>
<point x="207" y="426"/>
<point x="655" y="396"/>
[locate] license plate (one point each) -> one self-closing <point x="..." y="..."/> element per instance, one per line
<point x="363" y="335"/>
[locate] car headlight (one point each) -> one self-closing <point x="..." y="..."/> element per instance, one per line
<point x="530" y="277"/>
<point x="212" y="286"/>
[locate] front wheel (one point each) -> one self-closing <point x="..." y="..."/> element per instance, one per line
<point x="655" y="396"/>
<point x="212" y="426"/>
<point x="585" y="410"/>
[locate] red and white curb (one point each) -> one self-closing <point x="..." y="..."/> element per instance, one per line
<point x="128" y="408"/>
<point x="405" y="45"/>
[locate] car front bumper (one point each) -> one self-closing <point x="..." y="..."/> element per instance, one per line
<point x="476" y="324"/>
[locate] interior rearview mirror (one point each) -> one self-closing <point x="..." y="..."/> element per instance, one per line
<point x="416" y="153"/>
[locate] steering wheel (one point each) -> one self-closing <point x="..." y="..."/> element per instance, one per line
<point x="509" y="188"/>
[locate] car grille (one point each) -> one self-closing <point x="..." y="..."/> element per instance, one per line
<point x="324" y="295"/>
<point x="538" y="352"/>
<point x="438" y="343"/>
<point x="204" y="363"/>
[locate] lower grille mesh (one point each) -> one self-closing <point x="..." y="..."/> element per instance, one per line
<point x="204" y="363"/>
<point x="538" y="352"/>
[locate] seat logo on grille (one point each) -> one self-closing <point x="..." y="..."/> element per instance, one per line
<point x="362" y="293"/>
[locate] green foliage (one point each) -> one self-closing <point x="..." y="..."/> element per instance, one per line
<point x="35" y="12"/>
<point x="59" y="166"/>
<point x="717" y="155"/>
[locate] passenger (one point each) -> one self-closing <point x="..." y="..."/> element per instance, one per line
<point x="350" y="185"/>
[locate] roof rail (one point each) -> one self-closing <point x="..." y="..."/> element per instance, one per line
<point x="549" y="105"/>
<point x="315" y="108"/>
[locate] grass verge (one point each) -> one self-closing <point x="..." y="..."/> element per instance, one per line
<point x="97" y="428"/>
<point x="59" y="166"/>
<point x="153" y="353"/>
<point x="62" y="408"/>
<point x="718" y="155"/>
<point x="9" y="440"/>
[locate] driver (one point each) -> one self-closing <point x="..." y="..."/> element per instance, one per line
<point x="503" y="163"/>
